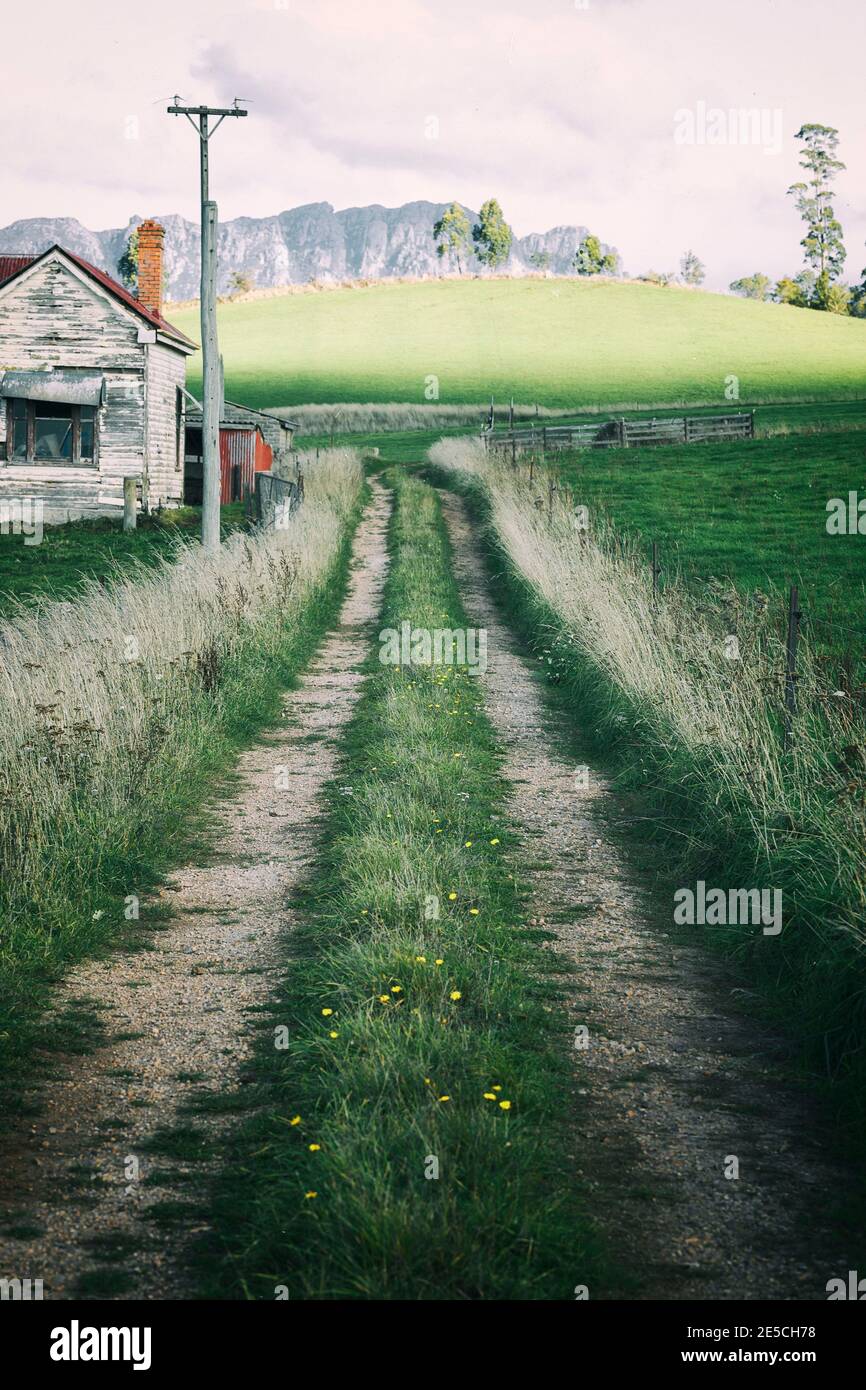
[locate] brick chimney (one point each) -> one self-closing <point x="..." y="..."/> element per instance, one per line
<point x="150" y="239"/>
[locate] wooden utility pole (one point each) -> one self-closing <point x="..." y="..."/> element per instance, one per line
<point x="199" y="119"/>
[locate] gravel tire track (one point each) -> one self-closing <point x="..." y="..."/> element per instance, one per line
<point x="188" y="1001"/>
<point x="674" y="1080"/>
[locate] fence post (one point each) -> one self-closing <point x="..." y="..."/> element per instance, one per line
<point x="751" y="424"/>
<point x="623" y="437"/>
<point x="511" y="415"/>
<point x="794" y="616"/>
<point x="656" y="570"/>
<point x="685" y="429"/>
<point x="129" y="513"/>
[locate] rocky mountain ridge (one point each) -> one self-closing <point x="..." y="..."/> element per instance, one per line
<point x="313" y="242"/>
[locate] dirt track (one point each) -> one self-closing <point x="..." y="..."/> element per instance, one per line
<point x="675" y="1082"/>
<point x="184" y="1005"/>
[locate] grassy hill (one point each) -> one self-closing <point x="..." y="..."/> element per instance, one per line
<point x="558" y="342"/>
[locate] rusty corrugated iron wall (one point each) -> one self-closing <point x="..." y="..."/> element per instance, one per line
<point x="243" y="453"/>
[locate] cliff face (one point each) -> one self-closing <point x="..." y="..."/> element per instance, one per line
<point x="307" y="243"/>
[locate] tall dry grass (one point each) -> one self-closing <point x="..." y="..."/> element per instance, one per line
<point x="704" y="733"/>
<point x="372" y="418"/>
<point x="112" y="706"/>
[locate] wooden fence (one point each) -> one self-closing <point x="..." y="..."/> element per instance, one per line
<point x="624" y="434"/>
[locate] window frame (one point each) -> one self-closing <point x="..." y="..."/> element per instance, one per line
<point x="30" y="460"/>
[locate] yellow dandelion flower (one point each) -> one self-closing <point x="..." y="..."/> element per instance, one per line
<point x="314" y="1148"/>
<point x="422" y="960"/>
<point x="451" y="897"/>
<point x="455" y="994"/>
<point x="467" y="844"/>
<point x="444" y="1098"/>
<point x="496" y="1088"/>
<point x="473" y="911"/>
<point x="488" y="1095"/>
<point x="396" y="989"/>
<point x="326" y="1013"/>
<point x="308" y="1195"/>
<point x="439" y="962"/>
<point x="494" y="842"/>
<point x="427" y="1081"/>
<point x="296" y="1120"/>
<point x="333" y="1034"/>
<point x="505" y="1105"/>
<point x="384" y="998"/>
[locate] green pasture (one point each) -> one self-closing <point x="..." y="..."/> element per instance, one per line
<point x="752" y="512"/>
<point x="559" y="342"/>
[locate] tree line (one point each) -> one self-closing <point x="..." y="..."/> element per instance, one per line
<point x="491" y="239"/>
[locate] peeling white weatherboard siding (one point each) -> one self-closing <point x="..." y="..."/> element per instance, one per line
<point x="54" y="316"/>
<point x="165" y="374"/>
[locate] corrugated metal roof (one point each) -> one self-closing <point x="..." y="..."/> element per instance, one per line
<point x="10" y="265"/>
<point x="20" y="263"/>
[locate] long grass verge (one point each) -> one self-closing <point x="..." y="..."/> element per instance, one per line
<point x="695" y="725"/>
<point x="118" y="712"/>
<point x="414" y="1140"/>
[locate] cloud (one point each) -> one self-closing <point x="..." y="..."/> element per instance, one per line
<point x="565" y="114"/>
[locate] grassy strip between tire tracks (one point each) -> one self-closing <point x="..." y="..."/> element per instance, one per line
<point x="414" y="1140"/>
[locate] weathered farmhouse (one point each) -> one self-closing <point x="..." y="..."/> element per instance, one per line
<point x="91" y="384"/>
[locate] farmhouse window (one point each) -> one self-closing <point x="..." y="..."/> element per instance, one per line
<point x="49" y="432"/>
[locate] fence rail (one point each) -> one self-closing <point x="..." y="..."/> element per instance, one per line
<point x="624" y="434"/>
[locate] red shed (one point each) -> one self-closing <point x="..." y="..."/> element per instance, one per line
<point x="243" y="453"/>
<point x="248" y="440"/>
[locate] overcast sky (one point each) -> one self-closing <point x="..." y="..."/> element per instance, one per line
<point x="567" y="112"/>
